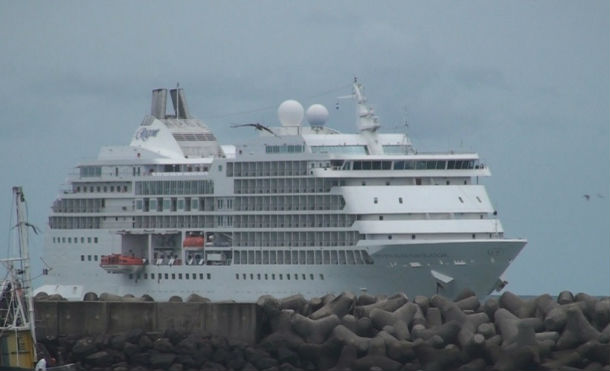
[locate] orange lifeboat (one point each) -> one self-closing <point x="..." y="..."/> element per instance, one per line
<point x="194" y="242"/>
<point x="117" y="263"/>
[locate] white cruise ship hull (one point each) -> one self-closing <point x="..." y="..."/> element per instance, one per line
<point x="422" y="268"/>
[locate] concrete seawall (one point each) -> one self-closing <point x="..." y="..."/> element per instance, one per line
<point x="338" y="333"/>
<point x="55" y="319"/>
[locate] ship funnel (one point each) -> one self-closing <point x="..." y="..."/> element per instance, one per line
<point x="179" y="103"/>
<point x="159" y="102"/>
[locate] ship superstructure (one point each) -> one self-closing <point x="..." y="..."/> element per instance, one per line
<point x="298" y="209"/>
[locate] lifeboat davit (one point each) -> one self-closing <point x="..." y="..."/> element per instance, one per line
<point x="194" y="242"/>
<point x="117" y="263"/>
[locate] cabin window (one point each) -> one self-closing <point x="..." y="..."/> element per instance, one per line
<point x="399" y="199"/>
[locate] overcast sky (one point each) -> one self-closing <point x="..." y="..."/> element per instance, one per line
<point x="523" y="83"/>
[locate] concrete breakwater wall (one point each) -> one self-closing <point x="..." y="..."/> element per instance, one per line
<point x="235" y="321"/>
<point x="348" y="332"/>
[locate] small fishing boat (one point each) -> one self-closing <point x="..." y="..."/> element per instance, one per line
<point x="18" y="347"/>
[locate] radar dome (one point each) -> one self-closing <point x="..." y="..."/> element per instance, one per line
<point x="290" y="113"/>
<point x="317" y="115"/>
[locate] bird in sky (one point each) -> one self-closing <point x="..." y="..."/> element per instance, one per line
<point x="256" y="125"/>
<point x="587" y="197"/>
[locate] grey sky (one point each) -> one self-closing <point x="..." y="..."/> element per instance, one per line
<point x="524" y="83"/>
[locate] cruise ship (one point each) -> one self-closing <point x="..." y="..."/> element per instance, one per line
<point x="300" y="208"/>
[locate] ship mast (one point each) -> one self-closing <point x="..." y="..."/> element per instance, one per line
<point x="17" y="317"/>
<point x="366" y="118"/>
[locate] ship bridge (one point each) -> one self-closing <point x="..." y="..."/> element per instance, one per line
<point x="176" y="136"/>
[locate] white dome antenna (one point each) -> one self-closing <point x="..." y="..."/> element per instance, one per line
<point x="290" y="113"/>
<point x="317" y="115"/>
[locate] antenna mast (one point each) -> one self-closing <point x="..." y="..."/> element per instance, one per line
<point x="366" y="120"/>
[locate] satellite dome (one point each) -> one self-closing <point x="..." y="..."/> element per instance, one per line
<point x="290" y="113"/>
<point x="317" y="115"/>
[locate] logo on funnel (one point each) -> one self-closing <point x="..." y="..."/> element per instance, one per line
<point x="145" y="133"/>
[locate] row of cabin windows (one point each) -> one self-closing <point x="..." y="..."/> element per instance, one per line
<point x="286" y="148"/>
<point x="74" y="239"/>
<point x="89" y="258"/>
<point x="79" y="205"/>
<point x="400" y="199"/>
<point x="183" y="204"/>
<point x="173" y="276"/>
<point x="301" y="257"/>
<point x="286" y="185"/>
<point x="280" y="276"/>
<point x="412" y="165"/>
<point x="174" y="187"/>
<point x="474" y="236"/>
<point x="100" y="188"/>
<point x="267" y="168"/>
<point x="418" y="181"/>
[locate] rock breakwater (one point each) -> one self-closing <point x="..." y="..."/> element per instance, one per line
<point x="349" y="332"/>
